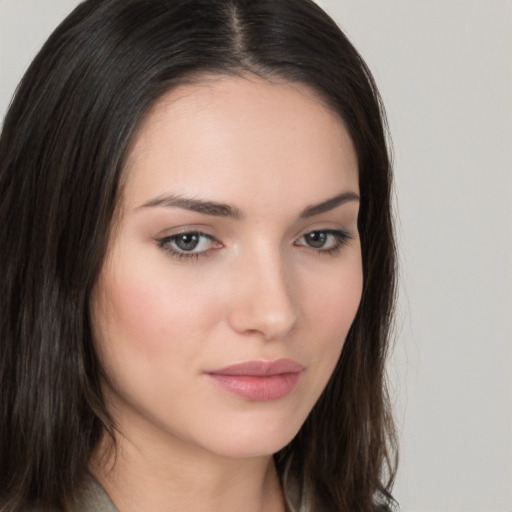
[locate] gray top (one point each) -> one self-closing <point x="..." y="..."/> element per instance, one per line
<point x="93" y="498"/>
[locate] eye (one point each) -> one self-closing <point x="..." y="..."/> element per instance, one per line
<point x="189" y="244"/>
<point x="326" y="241"/>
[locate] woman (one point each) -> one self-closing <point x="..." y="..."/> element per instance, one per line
<point x="198" y="265"/>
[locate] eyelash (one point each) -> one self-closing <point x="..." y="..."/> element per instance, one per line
<point x="342" y="238"/>
<point x="165" y="244"/>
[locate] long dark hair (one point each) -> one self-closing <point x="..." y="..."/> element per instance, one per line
<point x="62" y="151"/>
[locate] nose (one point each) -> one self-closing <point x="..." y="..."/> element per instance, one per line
<point x="264" y="302"/>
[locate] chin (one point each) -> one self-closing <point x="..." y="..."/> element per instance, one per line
<point x="258" y="439"/>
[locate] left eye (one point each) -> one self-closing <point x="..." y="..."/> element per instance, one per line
<point x="324" y="240"/>
<point x="188" y="243"/>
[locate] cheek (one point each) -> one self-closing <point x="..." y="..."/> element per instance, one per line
<point x="331" y="308"/>
<point x="138" y="314"/>
<point x="334" y="301"/>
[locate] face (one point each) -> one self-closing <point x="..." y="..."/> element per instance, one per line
<point x="234" y="272"/>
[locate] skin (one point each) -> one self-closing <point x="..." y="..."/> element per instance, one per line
<point x="253" y="289"/>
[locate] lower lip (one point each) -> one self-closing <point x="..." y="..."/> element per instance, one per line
<point x="258" y="389"/>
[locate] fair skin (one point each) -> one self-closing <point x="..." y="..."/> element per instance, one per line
<point x="269" y="269"/>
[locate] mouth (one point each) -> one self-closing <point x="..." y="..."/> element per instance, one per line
<point x="259" y="381"/>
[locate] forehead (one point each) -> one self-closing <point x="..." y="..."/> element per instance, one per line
<point x="225" y="134"/>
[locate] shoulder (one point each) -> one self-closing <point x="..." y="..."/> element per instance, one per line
<point x="386" y="508"/>
<point x="93" y="498"/>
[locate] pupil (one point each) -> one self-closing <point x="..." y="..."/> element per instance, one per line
<point x="316" y="239"/>
<point x="187" y="242"/>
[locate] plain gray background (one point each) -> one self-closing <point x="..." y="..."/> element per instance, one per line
<point x="444" y="69"/>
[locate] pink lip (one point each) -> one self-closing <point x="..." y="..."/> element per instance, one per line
<point x="259" y="380"/>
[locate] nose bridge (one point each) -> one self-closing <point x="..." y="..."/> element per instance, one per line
<point x="265" y="301"/>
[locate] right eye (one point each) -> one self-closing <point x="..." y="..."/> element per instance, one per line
<point x="188" y="244"/>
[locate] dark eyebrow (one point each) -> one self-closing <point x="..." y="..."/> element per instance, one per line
<point x="196" y="205"/>
<point x="226" y="210"/>
<point x="329" y="204"/>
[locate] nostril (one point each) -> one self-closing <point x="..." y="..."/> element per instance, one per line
<point x="271" y="312"/>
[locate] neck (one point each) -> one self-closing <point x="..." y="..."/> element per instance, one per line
<point x="142" y="476"/>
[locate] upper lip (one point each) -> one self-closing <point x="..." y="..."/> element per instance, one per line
<point x="260" y="368"/>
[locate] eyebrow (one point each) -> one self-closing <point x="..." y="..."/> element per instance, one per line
<point x="226" y="210"/>
<point x="195" y="205"/>
<point x="329" y="204"/>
